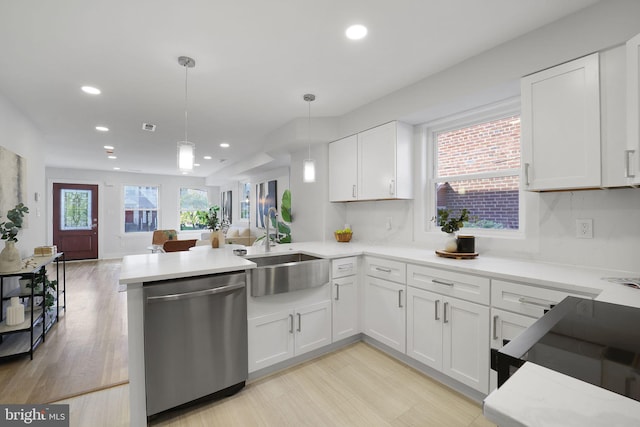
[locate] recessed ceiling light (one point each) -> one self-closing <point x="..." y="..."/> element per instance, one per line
<point x="224" y="145"/>
<point x="116" y="168"/>
<point x="108" y="147"/>
<point x="196" y="164"/>
<point x="207" y="157"/>
<point x="91" y="90"/>
<point x="356" y="32"/>
<point x="112" y="157"/>
<point x="185" y="173"/>
<point x="102" y="128"/>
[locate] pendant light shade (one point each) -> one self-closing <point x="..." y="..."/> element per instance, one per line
<point x="309" y="172"/>
<point x="186" y="149"/>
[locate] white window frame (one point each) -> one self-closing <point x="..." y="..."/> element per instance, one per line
<point x="180" y="207"/>
<point x="123" y="209"/>
<point x="482" y="114"/>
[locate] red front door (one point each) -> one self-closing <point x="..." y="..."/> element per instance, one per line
<point x="75" y="220"/>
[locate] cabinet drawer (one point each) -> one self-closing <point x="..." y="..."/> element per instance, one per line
<point x="386" y="269"/>
<point x="344" y="267"/>
<point x="526" y="299"/>
<point x="464" y="286"/>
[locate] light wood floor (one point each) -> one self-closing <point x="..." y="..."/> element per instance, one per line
<point x="86" y="350"/>
<point x="355" y="386"/>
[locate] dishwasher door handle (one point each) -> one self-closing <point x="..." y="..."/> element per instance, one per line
<point x="204" y="292"/>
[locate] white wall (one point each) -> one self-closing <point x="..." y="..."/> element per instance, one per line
<point x="112" y="241"/>
<point x="19" y="135"/>
<point x="486" y="78"/>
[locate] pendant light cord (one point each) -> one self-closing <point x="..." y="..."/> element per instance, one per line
<point x="186" y="116"/>
<point x="309" y="129"/>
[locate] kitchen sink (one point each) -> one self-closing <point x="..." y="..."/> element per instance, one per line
<point x="278" y="274"/>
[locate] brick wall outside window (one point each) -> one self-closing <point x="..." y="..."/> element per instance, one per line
<point x="489" y="147"/>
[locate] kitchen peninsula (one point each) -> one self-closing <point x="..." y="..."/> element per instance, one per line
<point x="487" y="274"/>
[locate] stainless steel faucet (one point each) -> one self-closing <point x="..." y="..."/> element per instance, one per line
<point x="268" y="243"/>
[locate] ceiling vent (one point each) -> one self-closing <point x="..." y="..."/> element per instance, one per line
<point x="148" y="127"/>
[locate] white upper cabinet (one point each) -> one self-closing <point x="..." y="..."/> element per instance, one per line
<point x="632" y="159"/>
<point x="372" y="165"/>
<point x="384" y="162"/>
<point x="561" y="126"/>
<point x="343" y="170"/>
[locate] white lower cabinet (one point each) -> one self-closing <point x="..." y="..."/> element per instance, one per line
<point x="384" y="312"/>
<point x="450" y="335"/>
<point x="345" y="307"/>
<point x="278" y="336"/>
<point x="505" y="326"/>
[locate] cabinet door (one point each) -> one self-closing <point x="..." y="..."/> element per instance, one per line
<point x="377" y="162"/>
<point x="465" y="353"/>
<point x="424" y="327"/>
<point x="345" y="307"/>
<point x="505" y="326"/>
<point x="633" y="109"/>
<point x="313" y="327"/>
<point x="271" y="339"/>
<point x="343" y="169"/>
<point x="561" y="126"/>
<point x="384" y="318"/>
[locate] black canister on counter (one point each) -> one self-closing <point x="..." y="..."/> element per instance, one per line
<point x="466" y="244"/>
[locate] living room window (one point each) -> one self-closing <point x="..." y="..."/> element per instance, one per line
<point x="194" y="203"/>
<point x="140" y="208"/>
<point x="476" y="165"/>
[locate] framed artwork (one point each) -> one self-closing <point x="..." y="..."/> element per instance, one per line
<point x="266" y="197"/>
<point x="13" y="181"/>
<point x="226" y="198"/>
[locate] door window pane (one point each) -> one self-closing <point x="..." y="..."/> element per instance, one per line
<point x="75" y="210"/>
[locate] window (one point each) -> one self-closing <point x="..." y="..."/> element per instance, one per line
<point x="194" y="204"/>
<point x="245" y="190"/>
<point x="140" y="208"/>
<point x="477" y="167"/>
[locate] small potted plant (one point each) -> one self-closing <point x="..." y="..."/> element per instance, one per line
<point x="214" y="224"/>
<point x="10" y="260"/>
<point x="450" y="223"/>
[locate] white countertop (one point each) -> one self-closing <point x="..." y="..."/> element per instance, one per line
<point x="205" y="260"/>
<point x="537" y="396"/>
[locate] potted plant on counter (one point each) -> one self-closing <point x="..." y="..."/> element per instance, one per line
<point x="450" y="224"/>
<point x="10" y="260"/>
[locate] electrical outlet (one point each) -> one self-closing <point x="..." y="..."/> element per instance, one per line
<point x="388" y="223"/>
<point x="584" y="228"/>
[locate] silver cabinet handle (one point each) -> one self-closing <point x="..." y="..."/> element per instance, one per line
<point x="345" y="267"/>
<point x="353" y="191"/>
<point x="384" y="270"/>
<point x="445" y="312"/>
<point x="627" y="163"/>
<point x="440" y="282"/>
<point x="392" y="187"/>
<point x="299" y="322"/>
<point x="495" y="327"/>
<point x="291" y="323"/>
<point x="437" y="304"/>
<point x="337" y="292"/>
<point x="400" y="298"/>
<point x="536" y="303"/>
<point x="175" y="297"/>
<point x="526" y="174"/>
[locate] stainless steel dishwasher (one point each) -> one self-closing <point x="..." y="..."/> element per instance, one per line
<point x="195" y="339"/>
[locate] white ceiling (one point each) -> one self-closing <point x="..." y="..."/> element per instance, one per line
<point x="254" y="61"/>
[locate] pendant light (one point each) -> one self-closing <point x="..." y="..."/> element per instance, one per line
<point x="186" y="149"/>
<point x="309" y="173"/>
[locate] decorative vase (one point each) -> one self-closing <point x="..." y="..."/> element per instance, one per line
<point x="10" y="258"/>
<point x="466" y="244"/>
<point x="217" y="239"/>
<point x="451" y="244"/>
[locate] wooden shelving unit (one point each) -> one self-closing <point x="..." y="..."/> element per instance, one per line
<point x="23" y="339"/>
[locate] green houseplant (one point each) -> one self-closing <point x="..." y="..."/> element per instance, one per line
<point x="49" y="290"/>
<point x="450" y="223"/>
<point x="10" y="256"/>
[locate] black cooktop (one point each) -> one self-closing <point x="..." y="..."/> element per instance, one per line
<point x="593" y="341"/>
